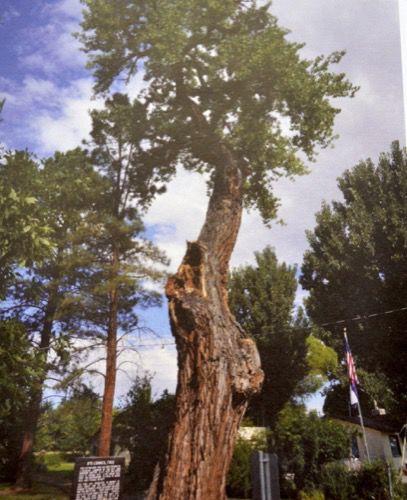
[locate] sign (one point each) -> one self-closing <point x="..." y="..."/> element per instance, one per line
<point x="98" y="478"/>
<point x="265" y="476"/>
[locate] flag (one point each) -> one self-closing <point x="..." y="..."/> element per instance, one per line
<point x="353" y="378"/>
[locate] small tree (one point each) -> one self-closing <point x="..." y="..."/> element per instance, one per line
<point x="19" y="369"/>
<point x="221" y="78"/>
<point x="305" y="443"/>
<point x="142" y="426"/>
<point x="71" y="425"/>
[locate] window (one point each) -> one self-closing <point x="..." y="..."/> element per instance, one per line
<point x="395" y="445"/>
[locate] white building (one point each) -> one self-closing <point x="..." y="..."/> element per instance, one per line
<point x="383" y="442"/>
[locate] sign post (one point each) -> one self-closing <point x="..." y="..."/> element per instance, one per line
<point x="265" y="476"/>
<point x="98" y="478"/>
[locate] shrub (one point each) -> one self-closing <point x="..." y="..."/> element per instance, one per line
<point x="338" y="482"/>
<point x="370" y="482"/>
<point x="239" y="483"/>
<point x="311" y="495"/>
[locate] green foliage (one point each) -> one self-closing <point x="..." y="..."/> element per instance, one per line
<point x="142" y="426"/>
<point x="357" y="265"/>
<point x="371" y="481"/>
<point x="115" y="254"/>
<point x="70" y="426"/>
<point x="66" y="187"/>
<point x="25" y="235"/>
<point x="338" y="482"/>
<point x="18" y="373"/>
<point x="322" y="363"/>
<point x="305" y="443"/>
<point x="121" y="136"/>
<point x="239" y="483"/>
<point x="311" y="495"/>
<point x="262" y="299"/>
<point x="221" y="76"/>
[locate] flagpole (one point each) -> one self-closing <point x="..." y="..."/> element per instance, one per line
<point x="359" y="408"/>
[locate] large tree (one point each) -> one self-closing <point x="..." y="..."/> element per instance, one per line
<point x="123" y="260"/>
<point x="223" y="86"/>
<point x="295" y="362"/>
<point x="42" y="297"/>
<point x="262" y="300"/>
<point x="356" y="266"/>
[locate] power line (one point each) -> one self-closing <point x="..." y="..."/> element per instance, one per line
<point x="362" y="317"/>
<point x="332" y="323"/>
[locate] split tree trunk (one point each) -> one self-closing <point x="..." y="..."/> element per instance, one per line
<point x="111" y="369"/>
<point x="219" y="366"/>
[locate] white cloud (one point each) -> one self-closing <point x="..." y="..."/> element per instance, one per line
<point x="54" y="49"/>
<point x="66" y="128"/>
<point x="177" y="216"/>
<point x="161" y="362"/>
<point x="158" y="360"/>
<point x="51" y="47"/>
<point x="70" y="8"/>
<point x="58" y="115"/>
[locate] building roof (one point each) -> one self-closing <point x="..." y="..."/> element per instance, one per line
<point x="383" y="423"/>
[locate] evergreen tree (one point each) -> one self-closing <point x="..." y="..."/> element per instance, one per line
<point x="262" y="299"/>
<point x="123" y="259"/>
<point x="357" y="265"/>
<point x="221" y="76"/>
<point x="294" y="360"/>
<point x="142" y="426"/>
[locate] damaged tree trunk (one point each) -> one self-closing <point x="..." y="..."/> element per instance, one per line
<point x="219" y="366"/>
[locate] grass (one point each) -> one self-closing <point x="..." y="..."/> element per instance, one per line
<point x="39" y="491"/>
<point x="57" y="471"/>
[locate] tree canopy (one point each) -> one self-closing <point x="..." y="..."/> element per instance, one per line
<point x="357" y="265"/>
<point x="25" y="233"/>
<point x="295" y="361"/>
<point x="222" y="76"/>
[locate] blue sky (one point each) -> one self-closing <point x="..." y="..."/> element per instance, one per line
<point x="49" y="92"/>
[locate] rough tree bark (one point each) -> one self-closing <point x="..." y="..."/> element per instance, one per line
<point x="110" y="376"/>
<point x="219" y="366"/>
<point x="24" y="463"/>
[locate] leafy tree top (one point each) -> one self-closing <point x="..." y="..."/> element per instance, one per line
<point x="357" y="265"/>
<point x="222" y="79"/>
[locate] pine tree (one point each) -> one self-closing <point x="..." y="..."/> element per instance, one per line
<point x="123" y="259"/>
